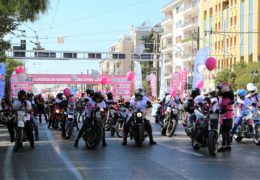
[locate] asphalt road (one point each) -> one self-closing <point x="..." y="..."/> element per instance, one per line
<point x="171" y="158"/>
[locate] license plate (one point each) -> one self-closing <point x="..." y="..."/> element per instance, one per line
<point x="20" y="123"/>
<point x="70" y="116"/>
<point x="213" y="116"/>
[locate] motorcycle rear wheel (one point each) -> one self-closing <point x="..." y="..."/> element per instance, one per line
<point x="119" y="129"/>
<point x="256" y="136"/>
<point x="94" y="137"/>
<point x="212" y="143"/>
<point x="171" y="127"/>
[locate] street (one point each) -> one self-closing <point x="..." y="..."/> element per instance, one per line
<point x="171" y="158"/>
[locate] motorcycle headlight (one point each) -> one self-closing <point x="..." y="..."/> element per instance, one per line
<point x="139" y="114"/>
<point x="168" y="109"/>
<point x="57" y="111"/>
<point x="175" y="111"/>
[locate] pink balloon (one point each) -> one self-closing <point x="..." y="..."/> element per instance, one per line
<point x="173" y="93"/>
<point x="66" y="92"/>
<point x="104" y="80"/>
<point x="211" y="63"/>
<point x="200" y="84"/>
<point x="130" y="75"/>
<point x="19" y="70"/>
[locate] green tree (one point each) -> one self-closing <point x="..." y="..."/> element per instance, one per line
<point x="240" y="75"/>
<point x="13" y="13"/>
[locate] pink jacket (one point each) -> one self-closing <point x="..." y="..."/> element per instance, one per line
<point x="227" y="105"/>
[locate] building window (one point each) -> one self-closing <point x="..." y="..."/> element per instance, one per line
<point x="222" y="44"/>
<point x="231" y="21"/>
<point x="231" y="42"/>
<point x="235" y="20"/>
<point x="219" y="26"/>
<point x="177" y="10"/>
<point x="235" y="41"/>
<point x="227" y="43"/>
<point x="178" y="39"/>
<point x="216" y="8"/>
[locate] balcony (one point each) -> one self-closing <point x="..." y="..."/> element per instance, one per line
<point x="168" y="20"/>
<point x="191" y="8"/>
<point x="167" y="34"/>
<point x="166" y="48"/>
<point x="189" y="25"/>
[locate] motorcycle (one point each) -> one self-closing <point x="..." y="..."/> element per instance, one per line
<point x="137" y="129"/>
<point x="205" y="132"/>
<point x="159" y="115"/>
<point x="69" y="125"/>
<point x="250" y="126"/>
<point x="110" y="118"/>
<point x="94" y="131"/>
<point x="22" y="118"/>
<point x="119" y="125"/>
<point x="58" y="117"/>
<point x="170" y="121"/>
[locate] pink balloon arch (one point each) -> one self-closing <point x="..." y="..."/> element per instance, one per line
<point x="130" y="75"/>
<point x="173" y="93"/>
<point x="211" y="63"/>
<point x="66" y="92"/>
<point x="200" y="84"/>
<point x="104" y="80"/>
<point x="19" y="70"/>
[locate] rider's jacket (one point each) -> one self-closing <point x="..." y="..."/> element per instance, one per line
<point x="139" y="104"/>
<point x="240" y="107"/>
<point x="23" y="106"/>
<point x="252" y="99"/>
<point x="110" y="102"/>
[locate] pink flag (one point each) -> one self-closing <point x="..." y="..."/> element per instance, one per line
<point x="176" y="79"/>
<point x="184" y="74"/>
<point x="153" y="84"/>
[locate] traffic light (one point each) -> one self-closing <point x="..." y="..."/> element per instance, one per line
<point x="23" y="44"/>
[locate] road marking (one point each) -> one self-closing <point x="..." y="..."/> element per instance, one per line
<point x="182" y="150"/>
<point x="63" y="157"/>
<point x="8" y="168"/>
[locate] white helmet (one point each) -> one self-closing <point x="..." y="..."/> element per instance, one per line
<point x="251" y="87"/>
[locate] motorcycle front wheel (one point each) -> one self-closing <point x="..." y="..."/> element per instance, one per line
<point x="212" y="142"/>
<point x="94" y="137"/>
<point x="119" y="129"/>
<point x="237" y="136"/>
<point x="139" y="135"/>
<point x="256" y="136"/>
<point x="171" y="127"/>
<point x="18" y="139"/>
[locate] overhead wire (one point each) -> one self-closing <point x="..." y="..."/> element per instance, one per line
<point x="96" y="15"/>
<point x="53" y="18"/>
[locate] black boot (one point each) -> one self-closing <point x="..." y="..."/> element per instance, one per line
<point x="104" y="144"/>
<point x="76" y="143"/>
<point x="124" y="143"/>
<point x="152" y="142"/>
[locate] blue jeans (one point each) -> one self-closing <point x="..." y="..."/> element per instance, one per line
<point x="237" y="122"/>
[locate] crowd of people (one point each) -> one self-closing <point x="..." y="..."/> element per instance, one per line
<point x="231" y="105"/>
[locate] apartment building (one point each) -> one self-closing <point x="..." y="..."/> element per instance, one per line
<point x="230" y="28"/>
<point x="179" y="41"/>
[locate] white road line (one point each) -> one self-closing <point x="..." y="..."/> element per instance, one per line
<point x="64" y="158"/>
<point x="181" y="150"/>
<point x="8" y="168"/>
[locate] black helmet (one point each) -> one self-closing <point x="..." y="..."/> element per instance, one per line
<point x="139" y="92"/>
<point x="213" y="93"/>
<point x="90" y="92"/>
<point x="29" y="94"/>
<point x="195" y="92"/>
<point x="109" y="95"/>
<point x="97" y="96"/>
<point x="60" y="96"/>
<point x="22" y="95"/>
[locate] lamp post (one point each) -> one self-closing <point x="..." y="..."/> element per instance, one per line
<point x="254" y="75"/>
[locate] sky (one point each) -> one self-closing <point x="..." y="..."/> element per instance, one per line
<point x="86" y="25"/>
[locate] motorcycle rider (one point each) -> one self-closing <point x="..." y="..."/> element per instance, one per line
<point x="35" y="125"/>
<point x="72" y="105"/>
<point x="6" y="107"/>
<point x="253" y="97"/>
<point x="226" y="102"/>
<point x="241" y="108"/>
<point x="93" y="99"/>
<point x="24" y="105"/>
<point x="41" y="108"/>
<point x="139" y="102"/>
<point x="80" y="107"/>
<point x="189" y="107"/>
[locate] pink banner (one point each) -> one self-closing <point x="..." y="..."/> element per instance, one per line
<point x="153" y="84"/>
<point x="176" y="79"/>
<point x="184" y="74"/>
<point x="16" y="86"/>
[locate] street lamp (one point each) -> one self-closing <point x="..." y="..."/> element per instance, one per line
<point x="255" y="75"/>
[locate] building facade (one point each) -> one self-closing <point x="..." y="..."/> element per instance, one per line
<point x="179" y="42"/>
<point x="230" y="29"/>
<point x="126" y="44"/>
